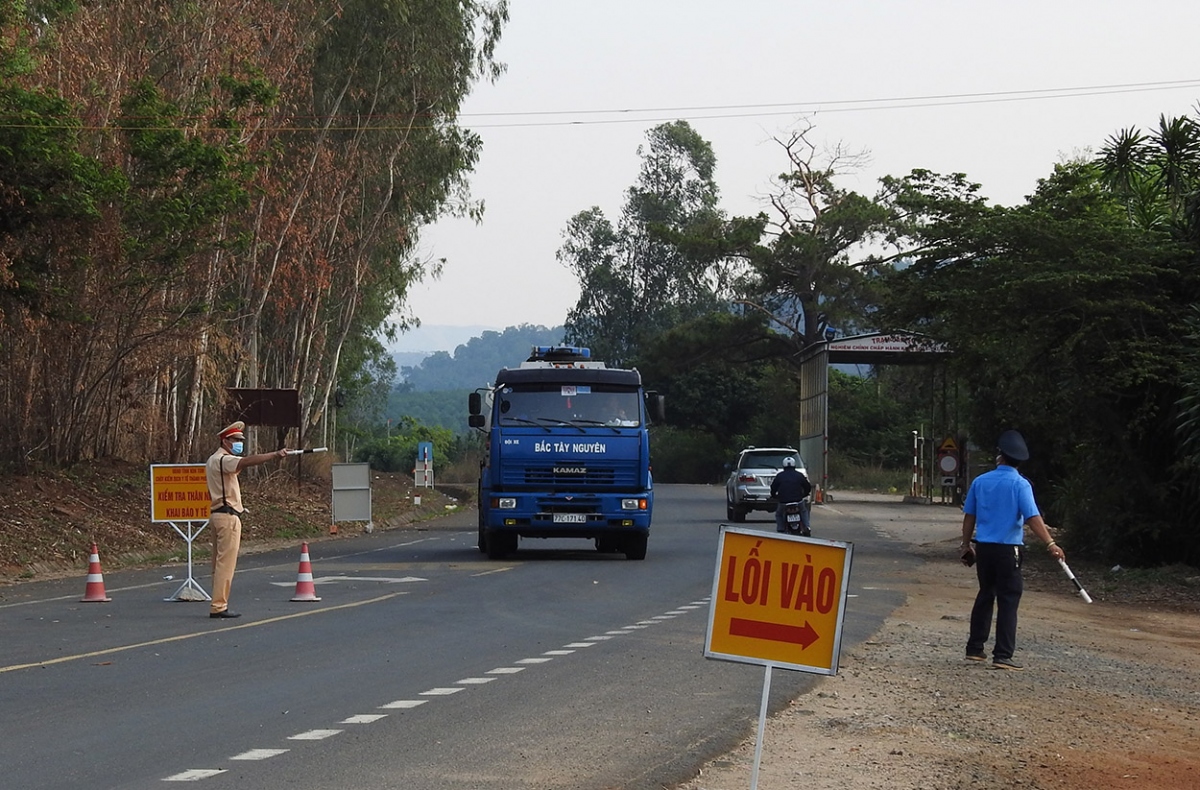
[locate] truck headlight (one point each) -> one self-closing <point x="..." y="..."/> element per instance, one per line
<point x="633" y="504"/>
<point x="505" y="503"/>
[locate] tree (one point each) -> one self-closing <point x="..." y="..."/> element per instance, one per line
<point x="635" y="282"/>
<point x="805" y="275"/>
<point x="197" y="196"/>
<point x="1063" y="317"/>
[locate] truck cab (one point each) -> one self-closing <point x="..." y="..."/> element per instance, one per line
<point x="568" y="454"/>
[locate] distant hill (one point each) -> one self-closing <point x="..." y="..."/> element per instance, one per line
<point x="475" y="362"/>
<point x="428" y="338"/>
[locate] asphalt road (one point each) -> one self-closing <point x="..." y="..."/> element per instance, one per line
<point x="424" y="665"/>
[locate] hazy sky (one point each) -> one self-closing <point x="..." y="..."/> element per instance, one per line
<point x="957" y="86"/>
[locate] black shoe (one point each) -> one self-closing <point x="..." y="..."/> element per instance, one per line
<point x="1005" y="663"/>
<point x="226" y="614"/>
<point x="976" y="656"/>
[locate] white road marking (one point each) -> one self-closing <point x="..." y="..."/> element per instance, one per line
<point x="404" y="703"/>
<point x="364" y="718"/>
<point x="474" y="681"/>
<point x="505" y="670"/>
<point x="194" y="774"/>
<point x="334" y="579"/>
<point x="533" y="660"/>
<point x="558" y="652"/>
<point x="664" y="617"/>
<point x="598" y="638"/>
<point x="579" y="644"/>
<point x="313" y="735"/>
<point x="617" y="633"/>
<point x="259" y="754"/>
<point x="441" y="692"/>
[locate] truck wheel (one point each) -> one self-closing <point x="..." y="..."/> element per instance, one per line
<point x="635" y="546"/>
<point x="500" y="544"/>
<point x="482" y="540"/>
<point x="728" y="510"/>
<point x="607" y="545"/>
<point x="738" y="514"/>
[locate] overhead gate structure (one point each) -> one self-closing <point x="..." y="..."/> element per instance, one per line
<point x="879" y="348"/>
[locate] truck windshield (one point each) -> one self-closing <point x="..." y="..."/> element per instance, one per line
<point x="571" y="405"/>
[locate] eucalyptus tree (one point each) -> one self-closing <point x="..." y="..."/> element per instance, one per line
<point x="215" y="194"/>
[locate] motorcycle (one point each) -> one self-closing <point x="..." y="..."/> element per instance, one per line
<point x="793" y="518"/>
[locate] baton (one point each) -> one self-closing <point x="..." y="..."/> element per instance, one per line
<point x="310" y="450"/>
<point x="1078" y="586"/>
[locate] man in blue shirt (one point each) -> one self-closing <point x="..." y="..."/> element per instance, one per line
<point x="998" y="506"/>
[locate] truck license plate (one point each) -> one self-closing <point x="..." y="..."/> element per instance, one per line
<point x="570" y="518"/>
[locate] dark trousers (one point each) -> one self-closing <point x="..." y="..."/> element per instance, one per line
<point x="998" y="566"/>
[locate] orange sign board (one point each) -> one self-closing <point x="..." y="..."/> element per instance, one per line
<point x="178" y="492"/>
<point x="778" y="600"/>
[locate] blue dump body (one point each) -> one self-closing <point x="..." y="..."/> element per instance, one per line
<point x="568" y="455"/>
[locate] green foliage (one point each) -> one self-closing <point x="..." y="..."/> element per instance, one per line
<point x="635" y="282"/>
<point x="865" y="422"/>
<point x="1064" y="318"/>
<point x="397" y="451"/>
<point x="444" y="409"/>
<point x="686" y="455"/>
<point x="181" y="186"/>
<point x="475" y="363"/>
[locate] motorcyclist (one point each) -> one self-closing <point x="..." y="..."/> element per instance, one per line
<point x="790" y="485"/>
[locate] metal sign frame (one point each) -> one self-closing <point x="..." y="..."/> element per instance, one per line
<point x="179" y="485"/>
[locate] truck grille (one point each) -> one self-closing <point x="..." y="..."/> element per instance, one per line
<point x="576" y="476"/>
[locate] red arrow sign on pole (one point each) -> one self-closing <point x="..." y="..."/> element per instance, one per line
<point x="757" y="629"/>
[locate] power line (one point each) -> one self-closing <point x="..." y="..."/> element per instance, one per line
<point x="542" y="118"/>
<point x="716" y="112"/>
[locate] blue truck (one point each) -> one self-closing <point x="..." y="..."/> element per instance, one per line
<point x="568" y="453"/>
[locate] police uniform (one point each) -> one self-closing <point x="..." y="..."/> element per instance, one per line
<point x="225" y="518"/>
<point x="1001" y="502"/>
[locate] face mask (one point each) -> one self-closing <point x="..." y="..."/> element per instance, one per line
<point x="238" y="447"/>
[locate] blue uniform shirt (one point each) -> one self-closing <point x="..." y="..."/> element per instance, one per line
<point x="1001" y="501"/>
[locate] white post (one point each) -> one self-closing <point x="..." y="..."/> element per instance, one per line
<point x="762" y="726"/>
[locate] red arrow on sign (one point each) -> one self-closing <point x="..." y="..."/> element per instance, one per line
<point x="757" y="629"/>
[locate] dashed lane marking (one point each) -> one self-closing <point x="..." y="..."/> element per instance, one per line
<point x="259" y="754"/>
<point x="364" y="718"/>
<point x="194" y="774"/>
<point x="313" y="735"/>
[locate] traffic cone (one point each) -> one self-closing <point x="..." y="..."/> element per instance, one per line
<point x="94" y="592"/>
<point x="305" y="589"/>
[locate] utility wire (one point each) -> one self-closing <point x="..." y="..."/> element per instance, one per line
<point x="544" y="118"/>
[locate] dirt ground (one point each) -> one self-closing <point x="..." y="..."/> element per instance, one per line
<point x="1109" y="697"/>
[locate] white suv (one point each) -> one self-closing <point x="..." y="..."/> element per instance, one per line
<point x="749" y="484"/>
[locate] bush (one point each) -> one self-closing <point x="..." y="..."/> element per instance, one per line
<point x="682" y="455"/>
